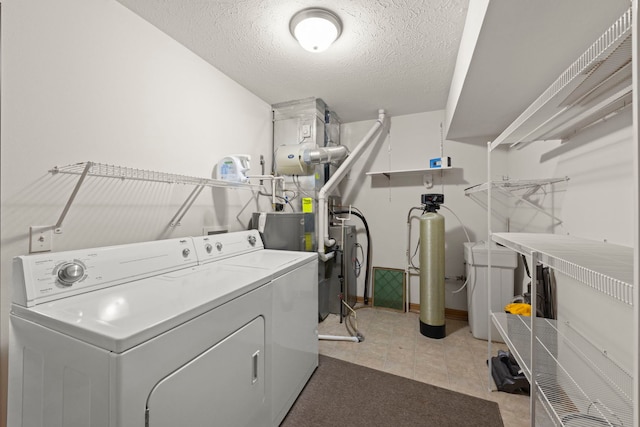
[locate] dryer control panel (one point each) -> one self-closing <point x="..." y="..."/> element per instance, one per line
<point x="49" y="276"/>
<point x="221" y="246"/>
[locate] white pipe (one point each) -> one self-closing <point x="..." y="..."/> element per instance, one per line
<point x="337" y="338"/>
<point x="265" y="177"/>
<point x="273" y="184"/>
<point x="323" y="214"/>
<point x="408" y="264"/>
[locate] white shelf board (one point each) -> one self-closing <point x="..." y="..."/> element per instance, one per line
<point x="407" y="171"/>
<point x="605" y="267"/>
<point x="576" y="380"/>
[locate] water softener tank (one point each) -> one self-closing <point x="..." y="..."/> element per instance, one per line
<point x="432" y="322"/>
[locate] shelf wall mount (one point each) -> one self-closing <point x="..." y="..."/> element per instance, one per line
<point x="509" y="187"/>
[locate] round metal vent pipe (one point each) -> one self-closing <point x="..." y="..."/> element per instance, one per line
<point x="314" y="156"/>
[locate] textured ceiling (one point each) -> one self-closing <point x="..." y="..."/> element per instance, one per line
<point x="393" y="54"/>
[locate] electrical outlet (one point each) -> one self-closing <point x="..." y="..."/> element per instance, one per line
<point x="40" y="238"/>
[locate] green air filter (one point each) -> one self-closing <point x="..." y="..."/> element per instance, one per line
<point x="388" y="288"/>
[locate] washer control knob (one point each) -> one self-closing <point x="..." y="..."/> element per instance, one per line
<point x="252" y="240"/>
<point x="208" y="248"/>
<point x="70" y="272"/>
<point x="186" y="252"/>
<point x="218" y="246"/>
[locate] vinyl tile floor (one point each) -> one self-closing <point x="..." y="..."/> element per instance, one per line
<point x="393" y="343"/>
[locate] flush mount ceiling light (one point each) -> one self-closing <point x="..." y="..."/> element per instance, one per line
<point x="315" y="28"/>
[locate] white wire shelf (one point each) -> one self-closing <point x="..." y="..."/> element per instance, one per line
<point x="595" y="86"/>
<point x="578" y="384"/>
<point x="514" y="184"/>
<point x="520" y="189"/>
<point x="127" y="173"/>
<point x="91" y="169"/>
<point x="605" y="267"/>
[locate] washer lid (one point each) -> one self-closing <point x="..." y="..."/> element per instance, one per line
<point x="277" y="262"/>
<point x="119" y="318"/>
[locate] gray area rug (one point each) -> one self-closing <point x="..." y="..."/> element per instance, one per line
<point x="340" y="393"/>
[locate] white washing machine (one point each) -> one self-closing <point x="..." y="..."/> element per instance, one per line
<point x="295" y="320"/>
<point x="143" y="335"/>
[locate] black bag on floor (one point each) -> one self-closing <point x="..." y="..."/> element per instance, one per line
<point x="507" y="374"/>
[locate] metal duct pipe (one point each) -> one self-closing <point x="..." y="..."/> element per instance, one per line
<point x="323" y="214"/>
<point x="315" y="156"/>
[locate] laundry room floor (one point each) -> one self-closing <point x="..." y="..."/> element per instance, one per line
<point x="393" y="343"/>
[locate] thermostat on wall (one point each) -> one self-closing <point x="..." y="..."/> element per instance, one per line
<point x="440" y="162"/>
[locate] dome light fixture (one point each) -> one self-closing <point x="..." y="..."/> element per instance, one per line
<point x="315" y="28"/>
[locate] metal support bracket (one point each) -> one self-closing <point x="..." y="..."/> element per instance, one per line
<point x="57" y="227"/>
<point x="528" y="203"/>
<point x="182" y="211"/>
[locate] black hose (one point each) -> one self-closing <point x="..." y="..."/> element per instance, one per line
<point x="526" y="266"/>
<point x="366" y="275"/>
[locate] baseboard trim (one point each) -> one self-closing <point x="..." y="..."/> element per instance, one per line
<point x="449" y="313"/>
<point x="453" y="314"/>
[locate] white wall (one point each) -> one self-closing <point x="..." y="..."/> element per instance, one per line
<point x="596" y="203"/>
<point x="88" y="80"/>
<point x="413" y="140"/>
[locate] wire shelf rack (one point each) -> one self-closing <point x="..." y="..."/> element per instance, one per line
<point x="578" y="384"/>
<point x="128" y="173"/>
<point x="519" y="189"/>
<point x="595" y="85"/>
<point x="514" y="184"/>
<point x="605" y="267"/>
<point x="92" y="169"/>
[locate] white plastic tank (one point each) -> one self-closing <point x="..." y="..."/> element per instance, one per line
<point x="504" y="262"/>
<point x="234" y="168"/>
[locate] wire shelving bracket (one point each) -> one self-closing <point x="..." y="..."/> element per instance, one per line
<point x="92" y="169"/>
<point x="509" y="188"/>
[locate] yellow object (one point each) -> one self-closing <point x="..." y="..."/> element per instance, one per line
<point x="308" y="242"/>
<point x="518" y="308"/>
<point x="307" y="205"/>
